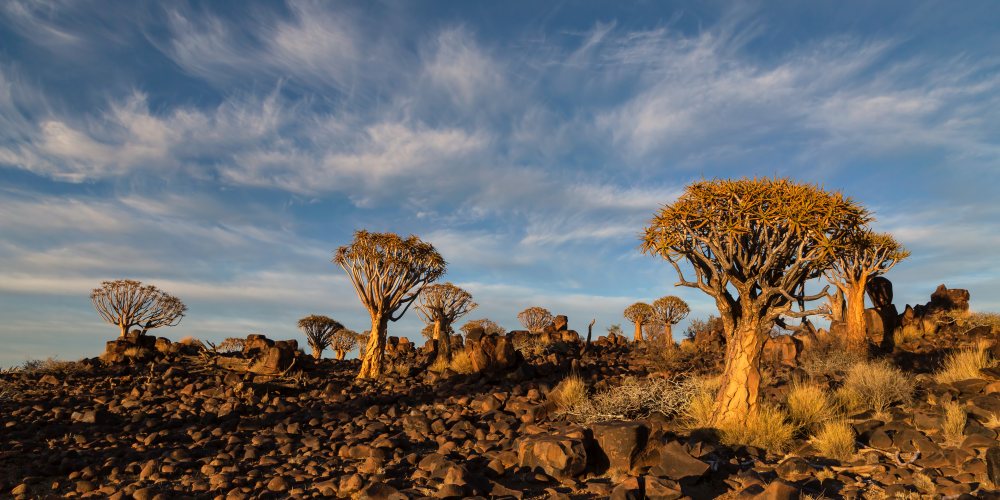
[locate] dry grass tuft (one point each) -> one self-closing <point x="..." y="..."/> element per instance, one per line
<point x="924" y="483"/>
<point x="828" y="357"/>
<point x="990" y="319"/>
<point x="835" y="439"/>
<point x="876" y="386"/>
<point x="53" y="366"/>
<point x="230" y="345"/>
<point x="439" y="365"/>
<point x="808" y="405"/>
<point x="953" y="424"/>
<point x="570" y="392"/>
<point x="461" y="363"/>
<point x="769" y="429"/>
<point x="965" y="364"/>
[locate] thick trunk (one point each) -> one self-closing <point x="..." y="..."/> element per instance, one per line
<point x="317" y="352"/>
<point x="857" y="336"/>
<point x="638" y="331"/>
<point x="371" y="363"/>
<point x="668" y="333"/>
<point x="738" y="397"/>
<point x="340" y="354"/>
<point x="443" y="340"/>
<point x="124" y="329"/>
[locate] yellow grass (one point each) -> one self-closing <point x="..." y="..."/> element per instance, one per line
<point x="835" y="439"/>
<point x="461" y="363"/>
<point x="876" y="386"/>
<point x="570" y="392"/>
<point x="964" y="364"/>
<point x="808" y="405"/>
<point x="769" y="429"/>
<point x="953" y="424"/>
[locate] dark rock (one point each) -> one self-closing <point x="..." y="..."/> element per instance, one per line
<point x="620" y="442"/>
<point x="993" y="464"/>
<point x="673" y="461"/>
<point x="779" y="490"/>
<point x="559" y="456"/>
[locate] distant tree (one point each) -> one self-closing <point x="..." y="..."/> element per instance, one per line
<point x="753" y="244"/>
<point x="344" y="341"/>
<point x="439" y="306"/>
<point x="535" y="318"/>
<point x="319" y="332"/>
<point x="711" y="325"/>
<point x="867" y="254"/>
<point x="615" y="329"/>
<point x="388" y="273"/>
<point x="489" y="327"/>
<point x="129" y="303"/>
<point x="639" y="314"/>
<point x="668" y="311"/>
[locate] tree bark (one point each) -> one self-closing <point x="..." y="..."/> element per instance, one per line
<point x="317" y="352"/>
<point x="737" y="399"/>
<point x="443" y="340"/>
<point x="857" y="336"/>
<point x="124" y="330"/>
<point x="638" y="331"/>
<point x="668" y="333"/>
<point x="340" y="354"/>
<point x="372" y="362"/>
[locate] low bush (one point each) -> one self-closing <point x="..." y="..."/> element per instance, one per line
<point x="876" y="385"/>
<point x="835" y="439"/>
<point x="826" y="358"/>
<point x="808" y="405"/>
<point x="965" y="364"/>
<point x="231" y="345"/>
<point x="635" y="398"/>
<point x="461" y="363"/>
<point x="990" y="319"/>
<point x="54" y="367"/>
<point x="769" y="429"/>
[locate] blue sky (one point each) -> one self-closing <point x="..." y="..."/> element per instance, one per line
<point x="223" y="150"/>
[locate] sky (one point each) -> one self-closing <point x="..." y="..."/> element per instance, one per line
<point x="223" y="150"/>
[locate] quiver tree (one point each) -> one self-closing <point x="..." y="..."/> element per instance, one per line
<point x="439" y="306"/>
<point x="669" y="311"/>
<point x="752" y="243"/>
<point x="489" y="327"/>
<point x="639" y="314"/>
<point x="129" y="303"/>
<point x="388" y="273"/>
<point x="319" y="332"/>
<point x="344" y="341"/>
<point x="866" y="254"/>
<point x="535" y="319"/>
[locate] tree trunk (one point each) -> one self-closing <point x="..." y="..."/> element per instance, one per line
<point x="857" y="336"/>
<point x="124" y="330"/>
<point x="738" y="397"/>
<point x="638" y="331"/>
<point x="317" y="352"/>
<point x="443" y="340"/>
<point x="668" y="334"/>
<point x="371" y="363"/>
<point x="340" y="354"/>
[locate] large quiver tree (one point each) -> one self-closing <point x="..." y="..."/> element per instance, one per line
<point x="639" y="314"/>
<point x="128" y="303"/>
<point x="752" y="244"/>
<point x="319" y="332"/>
<point x="867" y="254"/>
<point x="439" y="306"/>
<point x="669" y="311"/>
<point x="388" y="273"/>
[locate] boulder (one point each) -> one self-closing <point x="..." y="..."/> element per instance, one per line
<point x="256" y="344"/>
<point x="672" y="461"/>
<point x="560" y="323"/>
<point x="783" y="350"/>
<point x="943" y="299"/>
<point x="558" y="456"/>
<point x="620" y="442"/>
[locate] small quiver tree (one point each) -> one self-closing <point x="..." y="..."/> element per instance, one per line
<point x="752" y="244"/>
<point x="535" y="319"/>
<point x="489" y="327"/>
<point x="439" y="306"/>
<point x="319" y="332"/>
<point x="343" y="342"/>
<point x="387" y="272"/>
<point x="128" y="303"/>
<point x="639" y="314"/>
<point x="669" y="311"/>
<point x="865" y="255"/>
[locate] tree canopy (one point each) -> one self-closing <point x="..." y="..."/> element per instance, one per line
<point x="129" y="303"/>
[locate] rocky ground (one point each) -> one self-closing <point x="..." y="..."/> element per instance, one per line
<point x="183" y="425"/>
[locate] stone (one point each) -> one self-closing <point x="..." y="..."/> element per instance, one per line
<point x="783" y="350"/>
<point x="558" y="456"/>
<point x="560" y="323"/>
<point x="793" y="469"/>
<point x="943" y="299"/>
<point x="380" y="491"/>
<point x="993" y="464"/>
<point x="779" y="490"/>
<point x="628" y="489"/>
<point x="673" y="462"/>
<point x="662" y="489"/>
<point x="620" y="442"/>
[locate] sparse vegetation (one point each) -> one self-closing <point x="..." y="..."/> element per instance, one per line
<point x="461" y="363"/>
<point x="965" y="364"/>
<point x="709" y="326"/>
<point x="570" y="392"/>
<point x="828" y="358"/>
<point x="319" y="332"/>
<point x="439" y="306"/>
<point x="231" y="345"/>
<point x="768" y="429"/>
<point x="529" y="345"/>
<point x="988" y="319"/>
<point x="875" y="385"/>
<point x="489" y="327"/>
<point x="534" y="319"/>
<point x="639" y="314"/>
<point x="835" y="439"/>
<point x="52" y="366"/>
